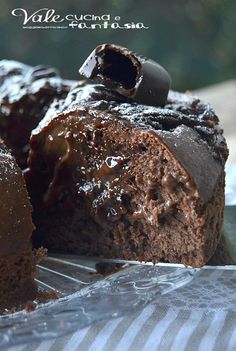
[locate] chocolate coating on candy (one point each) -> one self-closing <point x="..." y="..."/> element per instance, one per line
<point x="143" y="81"/>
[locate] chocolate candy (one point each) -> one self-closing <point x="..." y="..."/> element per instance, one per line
<point x="144" y="81"/>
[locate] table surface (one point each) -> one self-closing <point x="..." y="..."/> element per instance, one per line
<point x="159" y="327"/>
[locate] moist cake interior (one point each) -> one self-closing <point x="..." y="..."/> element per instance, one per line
<point x="101" y="187"/>
<point x="17" y="261"/>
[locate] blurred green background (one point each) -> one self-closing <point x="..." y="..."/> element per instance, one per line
<point x="194" y="40"/>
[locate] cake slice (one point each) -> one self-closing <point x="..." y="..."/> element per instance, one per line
<point x="115" y="178"/>
<point x="17" y="262"/>
<point x="25" y="95"/>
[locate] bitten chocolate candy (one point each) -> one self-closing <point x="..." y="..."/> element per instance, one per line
<point x="139" y="79"/>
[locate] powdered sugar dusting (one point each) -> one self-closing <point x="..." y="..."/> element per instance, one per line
<point x="7" y="162"/>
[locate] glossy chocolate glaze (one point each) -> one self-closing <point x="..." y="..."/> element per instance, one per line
<point x="122" y="179"/>
<point x="142" y="80"/>
<point x="15" y="222"/>
<point x="25" y="95"/>
<point x="180" y="109"/>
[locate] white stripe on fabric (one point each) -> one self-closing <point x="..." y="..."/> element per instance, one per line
<point x="104" y="334"/>
<point x="60" y="342"/>
<point x="169" y="336"/>
<point x="17" y="348"/>
<point x="141" y="338"/>
<point x="185" y="331"/>
<point x="45" y="345"/>
<point x="120" y="330"/>
<point x="91" y="335"/>
<point x="134" y="329"/>
<point x="226" y="332"/>
<point x="200" y="330"/>
<point x="158" y="331"/>
<point x="232" y="341"/>
<point x="212" y="332"/>
<point x="75" y="340"/>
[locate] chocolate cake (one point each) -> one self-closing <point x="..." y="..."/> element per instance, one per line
<point x="25" y="95"/>
<point x="17" y="262"/>
<point x="123" y="169"/>
<point x="115" y="178"/>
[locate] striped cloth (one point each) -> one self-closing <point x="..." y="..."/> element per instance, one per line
<point x="199" y="316"/>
